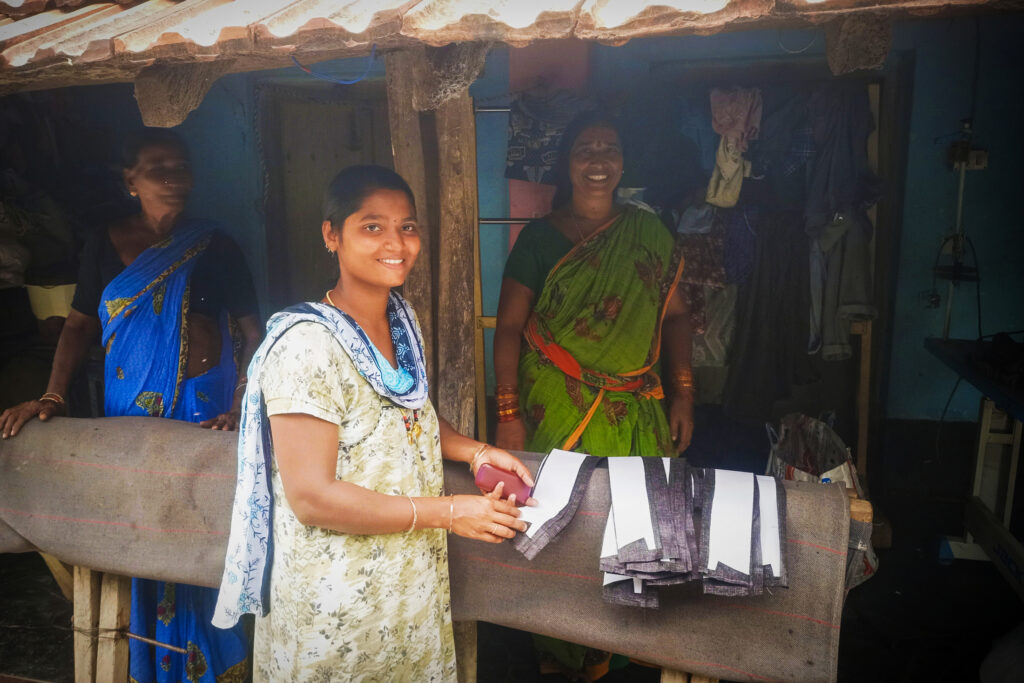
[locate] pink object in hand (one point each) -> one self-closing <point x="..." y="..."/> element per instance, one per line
<point x="488" y="476"/>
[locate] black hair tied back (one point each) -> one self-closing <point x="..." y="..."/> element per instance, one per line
<point x="142" y="138"/>
<point x="353" y="185"/>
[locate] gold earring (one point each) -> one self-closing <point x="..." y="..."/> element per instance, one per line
<point x="133" y="193"/>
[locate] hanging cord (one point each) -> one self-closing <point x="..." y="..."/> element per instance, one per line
<point x="942" y="419"/>
<point x="340" y="81"/>
<point x="802" y="50"/>
<point x="977" y="282"/>
<point x="977" y="64"/>
<point x="97" y="633"/>
<point x="977" y="275"/>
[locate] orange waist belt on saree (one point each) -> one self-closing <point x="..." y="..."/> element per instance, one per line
<point x="643" y="383"/>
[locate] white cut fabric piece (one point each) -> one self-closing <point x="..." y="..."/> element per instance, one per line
<point x="638" y="585"/>
<point x="610" y="578"/>
<point x="771" y="551"/>
<point x="667" y="462"/>
<point x="732" y="512"/>
<point x="555" y="482"/>
<point x="608" y="548"/>
<point x="628" y="484"/>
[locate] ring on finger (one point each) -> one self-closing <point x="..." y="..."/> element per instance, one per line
<point x="494" y="528"/>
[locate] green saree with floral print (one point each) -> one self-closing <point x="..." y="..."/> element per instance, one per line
<point x="588" y="375"/>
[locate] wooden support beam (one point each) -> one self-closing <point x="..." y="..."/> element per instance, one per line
<point x="465" y="650"/>
<point x="404" y="69"/>
<point x="456" y="143"/>
<point x="85" y="619"/>
<point x="61" y="574"/>
<point x="863" y="328"/>
<point x="166" y="94"/>
<point x="115" y="610"/>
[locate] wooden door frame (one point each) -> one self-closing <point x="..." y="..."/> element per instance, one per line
<point x="267" y="120"/>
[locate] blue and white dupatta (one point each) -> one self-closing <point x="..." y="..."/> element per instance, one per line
<point x="245" y="582"/>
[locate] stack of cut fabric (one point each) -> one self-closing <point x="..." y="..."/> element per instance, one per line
<point x="668" y="524"/>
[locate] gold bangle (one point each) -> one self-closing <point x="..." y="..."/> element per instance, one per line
<point x="451" y="511"/>
<point x="682" y="379"/>
<point x="476" y="456"/>
<point x="53" y="398"/>
<point x="414" y="515"/>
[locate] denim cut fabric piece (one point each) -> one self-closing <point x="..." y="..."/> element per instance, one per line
<point x="693" y="482"/>
<point x="663" y="512"/>
<point x="529" y="547"/>
<point x="622" y="593"/>
<point x="732" y="582"/>
<point x="663" y="516"/>
<point x="718" y="579"/>
<point x="680" y="565"/>
<point x="621" y="479"/>
<point x="782" y="579"/>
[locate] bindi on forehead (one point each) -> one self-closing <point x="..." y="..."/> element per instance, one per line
<point x="600" y="137"/>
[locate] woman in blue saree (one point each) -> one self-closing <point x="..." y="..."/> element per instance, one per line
<point x="163" y="292"/>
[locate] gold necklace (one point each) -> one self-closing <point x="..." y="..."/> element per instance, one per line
<point x="576" y="222"/>
<point x="329" y="299"/>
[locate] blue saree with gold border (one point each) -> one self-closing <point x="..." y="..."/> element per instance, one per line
<point x="144" y="314"/>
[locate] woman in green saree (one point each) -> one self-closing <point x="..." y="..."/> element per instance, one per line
<point x="588" y="305"/>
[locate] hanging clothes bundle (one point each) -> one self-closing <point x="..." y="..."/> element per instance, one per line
<point x="841" y="187"/>
<point x="736" y="116"/>
<point x="535" y="126"/>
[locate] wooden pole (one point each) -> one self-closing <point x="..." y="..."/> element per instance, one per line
<point x="456" y="142"/>
<point x="85" y="619"/>
<point x="863" y="328"/>
<point x="115" y="610"/>
<point x="404" y="68"/>
<point x="61" y="574"/>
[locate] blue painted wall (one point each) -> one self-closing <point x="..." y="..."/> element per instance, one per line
<point x="944" y="67"/>
<point x="229" y="181"/>
<point x="491" y="90"/>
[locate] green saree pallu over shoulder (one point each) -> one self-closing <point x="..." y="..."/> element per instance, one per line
<point x="589" y="376"/>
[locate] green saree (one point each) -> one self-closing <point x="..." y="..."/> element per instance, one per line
<point x="588" y="377"/>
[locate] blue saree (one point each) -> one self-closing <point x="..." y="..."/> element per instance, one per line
<point x="144" y="313"/>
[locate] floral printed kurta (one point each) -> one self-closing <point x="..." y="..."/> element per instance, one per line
<point x="342" y="606"/>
